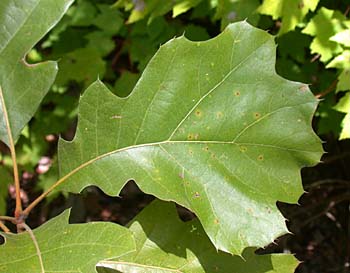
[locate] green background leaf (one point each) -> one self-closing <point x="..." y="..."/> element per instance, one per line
<point x="342" y="37"/>
<point x="323" y="26"/>
<point x="64" y="247"/>
<point x="24" y="85"/>
<point x="344" y="106"/>
<point x="82" y="65"/>
<point x="291" y="12"/>
<point x="165" y="244"/>
<point x="236" y="10"/>
<point x="141" y="9"/>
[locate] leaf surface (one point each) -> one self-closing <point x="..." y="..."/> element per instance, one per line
<point x="210" y="126"/>
<point x="324" y="25"/>
<point x="184" y="6"/>
<point x="342" y="37"/>
<point x="342" y="63"/>
<point x="344" y="106"/>
<point x="81" y="65"/>
<point x="154" y="8"/>
<point x="290" y="11"/>
<point x="233" y="11"/>
<point x="165" y="244"/>
<point x="23" y="23"/>
<point x="64" y="247"/>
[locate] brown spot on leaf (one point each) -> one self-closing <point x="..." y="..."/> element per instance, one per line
<point x="303" y="88"/>
<point x="219" y="114"/>
<point x="257" y="115"/>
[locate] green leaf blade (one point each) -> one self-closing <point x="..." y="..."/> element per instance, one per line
<point x="324" y="25"/>
<point x="292" y="12"/>
<point x="210" y="126"/>
<point x="64" y="247"/>
<point x="165" y="244"/>
<point x="21" y="30"/>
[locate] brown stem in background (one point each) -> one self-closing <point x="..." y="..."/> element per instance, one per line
<point x="328" y="90"/>
<point x="319" y="183"/>
<point x="315" y="58"/>
<point x="13" y="220"/>
<point x="4" y="227"/>
<point x="18" y="210"/>
<point x="334" y="201"/>
<point x="118" y="53"/>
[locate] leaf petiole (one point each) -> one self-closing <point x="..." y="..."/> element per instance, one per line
<point x="18" y="210"/>
<point x="9" y="219"/>
<point x="4" y="227"/>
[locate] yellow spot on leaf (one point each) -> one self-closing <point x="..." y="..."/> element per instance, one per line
<point x="198" y="113"/>
<point x="219" y="114"/>
<point x="116" y="117"/>
<point x="303" y="88"/>
<point x="243" y="149"/>
<point x="257" y="115"/>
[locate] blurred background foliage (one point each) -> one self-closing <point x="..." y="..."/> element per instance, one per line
<point x="114" y="40"/>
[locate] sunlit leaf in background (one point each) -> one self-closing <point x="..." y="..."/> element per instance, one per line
<point x="291" y="12"/>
